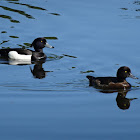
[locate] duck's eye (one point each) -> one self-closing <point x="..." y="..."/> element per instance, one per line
<point x="125" y="71"/>
<point x="41" y="41"/>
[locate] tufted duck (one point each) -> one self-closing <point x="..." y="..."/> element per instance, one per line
<point x="26" y="54"/>
<point x="118" y="82"/>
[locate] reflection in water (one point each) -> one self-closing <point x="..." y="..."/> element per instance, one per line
<point x="88" y="71"/>
<point x="69" y="56"/>
<point x="29" y="6"/>
<point x="19" y="62"/>
<point x="12" y="36"/>
<point x="128" y="15"/>
<point x="138" y="10"/>
<point x="122" y="101"/>
<point x="56" y="14"/>
<point x="123" y="8"/>
<point x="9" y="17"/>
<point x="38" y="71"/>
<point x="11" y="0"/>
<point x="3" y="32"/>
<point x="4" y="41"/>
<point x="56" y="57"/>
<point x="22" y="12"/>
<point x="17" y="11"/>
<point x="137" y="2"/>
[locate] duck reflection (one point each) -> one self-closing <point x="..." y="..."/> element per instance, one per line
<point x="38" y="70"/>
<point x="123" y="102"/>
<point x="18" y="62"/>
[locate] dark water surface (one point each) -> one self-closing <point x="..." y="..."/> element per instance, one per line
<point x="90" y="37"/>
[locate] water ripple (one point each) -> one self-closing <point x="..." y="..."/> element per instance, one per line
<point x="29" y="6"/>
<point x="8" y="17"/>
<point x="17" y="11"/>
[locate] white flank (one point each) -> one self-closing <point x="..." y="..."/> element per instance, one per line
<point x="15" y="56"/>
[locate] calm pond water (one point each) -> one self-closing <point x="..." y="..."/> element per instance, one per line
<point x="91" y="37"/>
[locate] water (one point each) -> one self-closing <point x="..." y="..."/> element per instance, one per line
<point x="90" y="38"/>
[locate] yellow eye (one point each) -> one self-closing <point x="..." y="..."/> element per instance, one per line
<point x="41" y="41"/>
<point x="125" y="71"/>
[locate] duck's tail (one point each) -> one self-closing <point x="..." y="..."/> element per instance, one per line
<point x="90" y="77"/>
<point x="91" y="80"/>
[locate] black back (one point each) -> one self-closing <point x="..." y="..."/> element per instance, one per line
<point x="4" y="52"/>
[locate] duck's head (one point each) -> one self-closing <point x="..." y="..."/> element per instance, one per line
<point x="124" y="72"/>
<point x="40" y="43"/>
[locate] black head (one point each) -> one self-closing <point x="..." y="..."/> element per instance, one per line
<point x="38" y="71"/>
<point x="123" y="73"/>
<point x="40" y="43"/>
<point x="122" y="102"/>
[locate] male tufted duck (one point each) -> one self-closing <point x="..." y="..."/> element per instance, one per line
<point x="118" y="82"/>
<point x="26" y="54"/>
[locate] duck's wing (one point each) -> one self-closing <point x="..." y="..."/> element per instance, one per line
<point x="106" y="80"/>
<point x="100" y="81"/>
<point x="4" y="52"/>
<point x="25" y="51"/>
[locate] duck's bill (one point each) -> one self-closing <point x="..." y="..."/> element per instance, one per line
<point x="48" y="45"/>
<point x="132" y="76"/>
